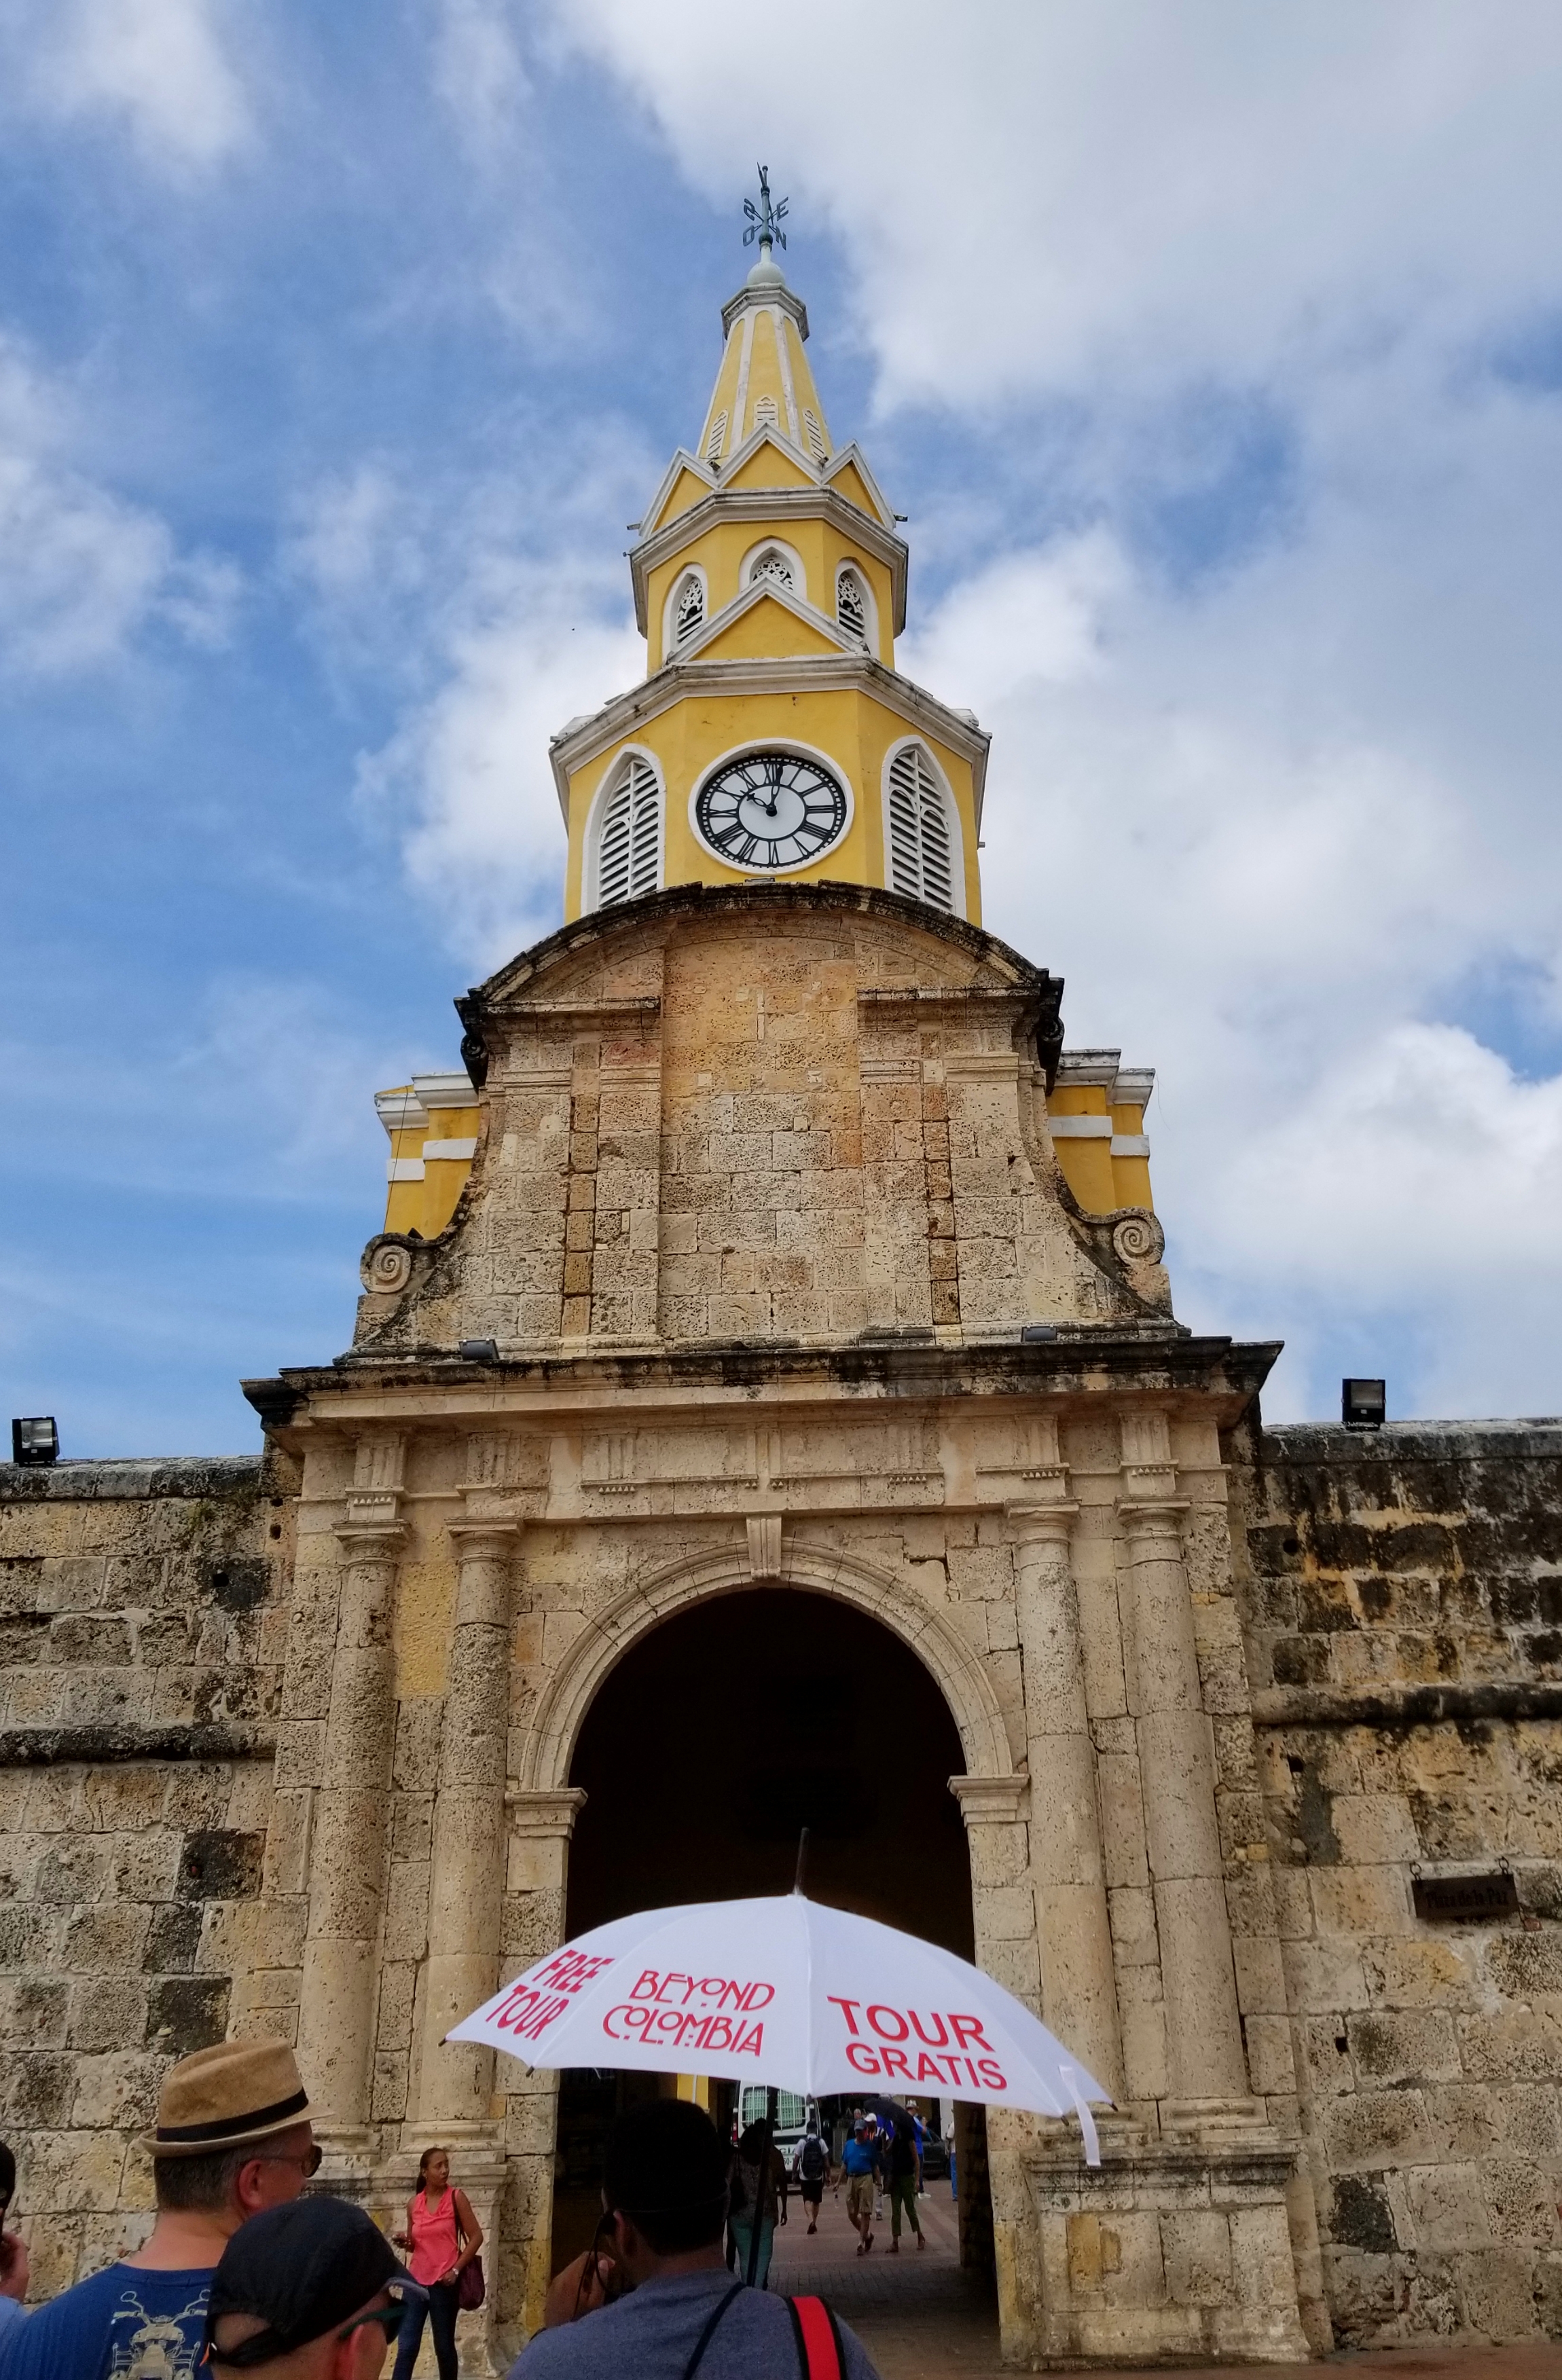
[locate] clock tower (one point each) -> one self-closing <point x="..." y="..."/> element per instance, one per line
<point x="773" y="735"/>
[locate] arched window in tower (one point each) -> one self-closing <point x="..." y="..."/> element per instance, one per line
<point x="814" y="434"/>
<point x="713" y="443"/>
<point x="688" y="609"/>
<point x="773" y="562"/>
<point x="851" y="606"/>
<point x="921" y="837"/>
<point x="627" y="859"/>
<point x="766" y="415"/>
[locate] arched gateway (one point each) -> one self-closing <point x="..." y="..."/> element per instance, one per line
<point x="771" y="1244"/>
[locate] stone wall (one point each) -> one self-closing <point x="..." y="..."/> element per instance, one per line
<point x="1403" y="1606"/>
<point x="139" y="1655"/>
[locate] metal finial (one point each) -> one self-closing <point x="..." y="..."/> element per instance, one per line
<point x="765" y="220"/>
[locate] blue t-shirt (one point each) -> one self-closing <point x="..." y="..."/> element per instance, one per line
<point x="122" y="2324"/>
<point x="858" y="2157"/>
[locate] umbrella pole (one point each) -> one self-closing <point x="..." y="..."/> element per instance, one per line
<point x="802" y="1858"/>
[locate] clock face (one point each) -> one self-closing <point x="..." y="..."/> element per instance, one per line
<point x="771" y="810"/>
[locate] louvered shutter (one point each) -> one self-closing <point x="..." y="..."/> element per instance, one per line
<point x="921" y="860"/>
<point x="629" y="846"/>
<point x="689" y="612"/>
<point x="713" y="443"/>
<point x="851" y="609"/>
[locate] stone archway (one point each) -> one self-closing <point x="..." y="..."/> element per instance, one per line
<point x="606" y="1636"/>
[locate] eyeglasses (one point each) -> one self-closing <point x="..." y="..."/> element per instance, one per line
<point x="309" y="2164"/>
<point x="389" y="2316"/>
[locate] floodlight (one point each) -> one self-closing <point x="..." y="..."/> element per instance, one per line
<point x="1364" y="1405"/>
<point x="35" y="1439"/>
<point x="478" y="1351"/>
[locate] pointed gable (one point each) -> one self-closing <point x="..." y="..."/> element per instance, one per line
<point x="765" y="629"/>
<point x="770" y="466"/>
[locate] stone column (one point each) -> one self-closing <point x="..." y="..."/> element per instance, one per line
<point x="1204" y="2053"/>
<point x="540" y="1823"/>
<point x="348" y="1847"/>
<point x="1078" y="1986"/>
<point x="466" y="1875"/>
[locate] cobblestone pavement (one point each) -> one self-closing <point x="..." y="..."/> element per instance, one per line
<point x="922" y="2318"/>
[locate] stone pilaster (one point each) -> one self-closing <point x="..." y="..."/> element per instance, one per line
<point x="1004" y="1921"/>
<point x="1206" y="2059"/>
<point x="468" y="1864"/>
<point x="540" y="1824"/>
<point x="348" y="1847"/>
<point x="1079" y="1987"/>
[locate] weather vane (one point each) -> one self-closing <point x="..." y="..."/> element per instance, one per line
<point x="765" y="220"/>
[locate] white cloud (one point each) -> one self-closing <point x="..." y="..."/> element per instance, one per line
<point x="82" y="572"/>
<point x="483" y="838"/>
<point x="1034" y="195"/>
<point x="161" y="67"/>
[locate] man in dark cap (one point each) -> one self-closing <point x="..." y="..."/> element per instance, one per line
<point x="232" y="2136"/>
<point x="308" y="2292"/>
<point x="664" y="2196"/>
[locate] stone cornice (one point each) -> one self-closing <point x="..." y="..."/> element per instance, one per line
<point x="1083" y="1361"/>
<point x="768" y="507"/>
<point x="787" y="674"/>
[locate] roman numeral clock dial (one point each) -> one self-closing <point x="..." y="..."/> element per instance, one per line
<point x="771" y="810"/>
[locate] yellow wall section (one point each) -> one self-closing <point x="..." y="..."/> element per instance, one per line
<point x="849" y="728"/>
<point x="1099" y="1181"/>
<point x="427" y="1206"/>
<point x="767" y="630"/>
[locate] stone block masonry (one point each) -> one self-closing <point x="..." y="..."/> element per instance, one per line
<point x="1403" y="1607"/>
<point x="141" y="1635"/>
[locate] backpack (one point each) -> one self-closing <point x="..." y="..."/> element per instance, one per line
<point x="813" y="2160"/>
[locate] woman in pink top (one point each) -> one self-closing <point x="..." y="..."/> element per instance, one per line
<point x="444" y="2236"/>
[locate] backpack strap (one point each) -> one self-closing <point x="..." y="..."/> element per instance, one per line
<point x="820" y="2354"/>
<point x="692" y="2366"/>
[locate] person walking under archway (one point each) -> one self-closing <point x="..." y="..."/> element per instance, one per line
<point x="758" y="2198"/>
<point x="444" y="2236"/>
<point x="905" y="2181"/>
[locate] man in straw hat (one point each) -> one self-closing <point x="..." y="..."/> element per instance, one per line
<point x="233" y="2136"/>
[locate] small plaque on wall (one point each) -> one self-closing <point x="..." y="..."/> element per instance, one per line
<point x="1465" y="1896"/>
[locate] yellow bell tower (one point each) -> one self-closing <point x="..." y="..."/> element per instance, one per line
<point x="772" y="736"/>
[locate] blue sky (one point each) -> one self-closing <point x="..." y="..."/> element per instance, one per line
<point x="1213" y="356"/>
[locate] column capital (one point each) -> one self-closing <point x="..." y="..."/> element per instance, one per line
<point x="1153" y="1516"/>
<point x="1049" y="1523"/>
<point x="504" y="1533"/>
<point x="370" y="1540"/>
<point x="992" y="1801"/>
<point x="544" y="1811"/>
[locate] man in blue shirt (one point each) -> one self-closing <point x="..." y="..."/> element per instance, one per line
<point x="858" y="2163"/>
<point x="233" y="2136"/>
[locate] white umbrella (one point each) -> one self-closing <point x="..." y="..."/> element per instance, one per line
<point x="785" y="1991"/>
